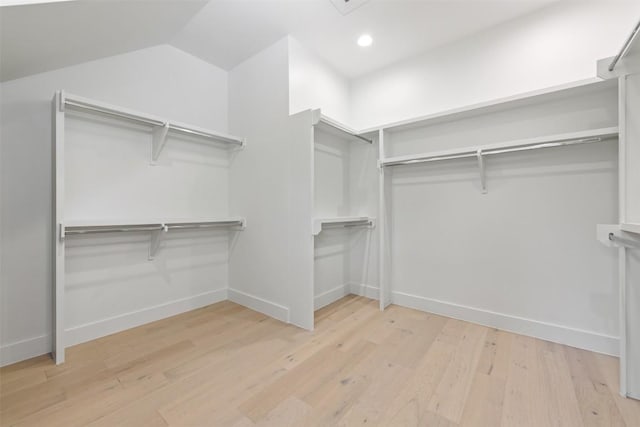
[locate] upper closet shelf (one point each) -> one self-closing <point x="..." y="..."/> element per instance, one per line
<point x="630" y="227"/>
<point x="343" y="221"/>
<point x="559" y="92"/>
<point x="558" y="140"/>
<point x="161" y="127"/>
<point x="333" y="127"/>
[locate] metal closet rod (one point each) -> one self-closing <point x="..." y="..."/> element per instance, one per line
<point x="625" y="47"/>
<point x="146" y="227"/>
<point x="348" y="224"/>
<point x="624" y="242"/>
<point x="474" y="154"/>
<point x="141" y="119"/>
<point x="111" y="229"/>
<point x="213" y="225"/>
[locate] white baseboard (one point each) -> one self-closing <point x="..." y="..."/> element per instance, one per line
<point x="260" y="305"/>
<point x="363" y="290"/>
<point x="330" y="296"/>
<point x="578" y="338"/>
<point x="101" y="328"/>
<point x="25" y="349"/>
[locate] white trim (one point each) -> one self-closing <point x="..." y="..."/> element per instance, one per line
<point x="573" y="337"/>
<point x="330" y="296"/>
<point x="25" y="349"/>
<point x="111" y="325"/>
<point x="364" y="290"/>
<point x="260" y="305"/>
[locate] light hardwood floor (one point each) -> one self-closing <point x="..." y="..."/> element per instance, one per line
<point x="225" y="365"/>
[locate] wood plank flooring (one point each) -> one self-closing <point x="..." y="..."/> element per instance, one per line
<point x="225" y="365"/>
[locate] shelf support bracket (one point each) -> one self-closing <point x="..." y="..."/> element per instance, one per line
<point x="158" y="142"/>
<point x="155" y="240"/>
<point x="483" y="176"/>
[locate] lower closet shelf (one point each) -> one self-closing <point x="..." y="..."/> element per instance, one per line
<point x="88" y="227"/>
<point x="344" y="221"/>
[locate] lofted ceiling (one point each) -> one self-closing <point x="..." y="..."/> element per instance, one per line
<point x="41" y="37"/>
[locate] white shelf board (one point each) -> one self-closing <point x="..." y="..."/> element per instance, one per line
<point x="630" y="227"/>
<point x="334" y="127"/>
<point x="527" y="98"/>
<point x="319" y="223"/>
<point x="603" y="133"/>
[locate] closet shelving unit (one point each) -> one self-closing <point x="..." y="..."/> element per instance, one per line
<point x="161" y="127"/>
<point x="335" y="128"/>
<point x="340" y="158"/>
<point x="549" y="141"/>
<point x="63" y="229"/>
<point x="477" y="153"/>
<point x="624" y="68"/>
<point x="157" y="228"/>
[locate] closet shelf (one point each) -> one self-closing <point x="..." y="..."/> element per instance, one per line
<point x="630" y="227"/>
<point x="558" y="140"/>
<point x="344" y="221"/>
<point x="157" y="228"/>
<point x="161" y="127"/>
<point x="331" y="126"/>
<point x="501" y="104"/>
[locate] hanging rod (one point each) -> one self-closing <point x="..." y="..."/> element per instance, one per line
<point x="625" y="47"/>
<point x="205" y="225"/>
<point x="73" y="101"/>
<point x="164" y="226"/>
<point x="624" y="242"/>
<point x="602" y="135"/>
<point x="111" y="228"/>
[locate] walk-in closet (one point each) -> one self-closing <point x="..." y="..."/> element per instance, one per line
<point x="319" y="213"/>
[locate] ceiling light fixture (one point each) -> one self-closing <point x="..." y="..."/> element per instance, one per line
<point x="365" y="40"/>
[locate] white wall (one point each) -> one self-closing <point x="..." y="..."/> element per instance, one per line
<point x="163" y="81"/>
<point x="314" y="84"/>
<point x="272" y="260"/>
<point x="553" y="46"/>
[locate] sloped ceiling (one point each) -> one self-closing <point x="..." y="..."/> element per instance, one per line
<point x="39" y="37"/>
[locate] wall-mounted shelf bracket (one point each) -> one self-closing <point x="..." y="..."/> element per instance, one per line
<point x="481" y="169"/>
<point x="158" y="142"/>
<point x="154" y="241"/>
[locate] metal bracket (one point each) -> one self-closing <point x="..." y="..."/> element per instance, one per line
<point x="61" y="225"/>
<point x="158" y="142"/>
<point x="155" y="240"/>
<point x="483" y="177"/>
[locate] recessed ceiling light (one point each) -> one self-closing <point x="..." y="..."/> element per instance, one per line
<point x="365" y="40"/>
